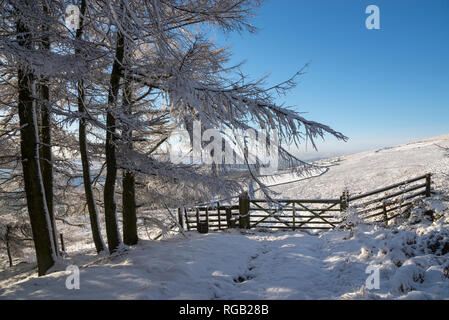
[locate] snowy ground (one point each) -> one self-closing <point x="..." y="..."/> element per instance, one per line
<point x="282" y="265"/>
<point x="412" y="256"/>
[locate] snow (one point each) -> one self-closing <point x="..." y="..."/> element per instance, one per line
<point x="256" y="265"/>
<point x="370" y="170"/>
<point x="412" y="255"/>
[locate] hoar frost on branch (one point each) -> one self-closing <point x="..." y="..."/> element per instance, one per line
<point x="130" y="75"/>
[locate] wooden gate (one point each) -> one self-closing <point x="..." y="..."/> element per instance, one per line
<point x="217" y="217"/>
<point x="385" y="204"/>
<point x="294" y="214"/>
<point x="381" y="205"/>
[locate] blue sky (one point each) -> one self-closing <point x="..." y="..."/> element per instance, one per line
<point x="379" y="87"/>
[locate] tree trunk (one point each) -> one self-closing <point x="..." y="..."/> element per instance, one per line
<point x="47" y="161"/>
<point x="129" y="190"/>
<point x="8" y="249"/>
<point x="90" y="197"/>
<point x="46" y="146"/>
<point x="110" y="205"/>
<point x="29" y="146"/>
<point x="129" y="209"/>
<point x="88" y="190"/>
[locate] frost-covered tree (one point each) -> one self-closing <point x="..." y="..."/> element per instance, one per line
<point x="130" y="75"/>
<point x="172" y="59"/>
<point x="19" y="30"/>
<point x="83" y="143"/>
<point x="34" y="68"/>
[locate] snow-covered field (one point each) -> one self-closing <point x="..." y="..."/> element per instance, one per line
<point x="411" y="256"/>
<point x="370" y="170"/>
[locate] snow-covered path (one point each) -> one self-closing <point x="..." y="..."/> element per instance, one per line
<point x="289" y="266"/>
<point x="223" y="265"/>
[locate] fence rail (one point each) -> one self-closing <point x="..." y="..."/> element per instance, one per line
<point x="396" y="199"/>
<point x="296" y="214"/>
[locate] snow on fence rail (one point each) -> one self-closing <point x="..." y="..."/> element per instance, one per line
<point x="296" y="214"/>
<point x="395" y="199"/>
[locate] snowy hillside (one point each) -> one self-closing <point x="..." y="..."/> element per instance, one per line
<point x="412" y="256"/>
<point x="370" y="170"/>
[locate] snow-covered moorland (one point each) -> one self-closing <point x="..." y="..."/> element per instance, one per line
<point x="412" y="255"/>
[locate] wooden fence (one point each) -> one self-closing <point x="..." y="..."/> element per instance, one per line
<point x="395" y="199"/>
<point x="381" y="205"/>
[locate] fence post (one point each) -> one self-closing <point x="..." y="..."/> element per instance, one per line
<point x="244" y="211"/>
<point x="187" y="219"/>
<point x="229" y="218"/>
<point x="219" y="215"/>
<point x="428" y="183"/>
<point x="197" y="219"/>
<point x="294" y="216"/>
<point x="344" y="199"/>
<point x="181" y="222"/>
<point x="62" y="242"/>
